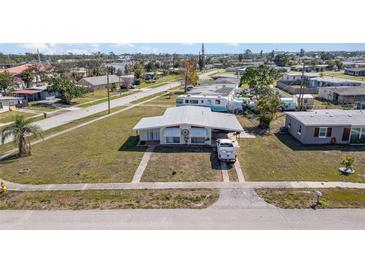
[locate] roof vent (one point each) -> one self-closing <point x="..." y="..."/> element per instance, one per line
<point x="350" y="115"/>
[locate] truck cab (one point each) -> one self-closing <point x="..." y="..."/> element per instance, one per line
<point x="226" y="150"/>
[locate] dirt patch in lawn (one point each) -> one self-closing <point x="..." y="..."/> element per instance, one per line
<point x="182" y="164"/>
<point x="304" y="198"/>
<point x="108" y="199"/>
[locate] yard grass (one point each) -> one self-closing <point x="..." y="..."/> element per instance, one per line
<point x="42" y="107"/>
<point x="168" y="99"/>
<point x="9" y="146"/>
<point x="304" y="198"/>
<point x="97" y="97"/>
<point x="160" y="81"/>
<point x="9" y="116"/>
<point x="341" y="74"/>
<point x="182" y="164"/>
<point x="279" y="157"/>
<point x="104" y="151"/>
<point x="108" y="199"/>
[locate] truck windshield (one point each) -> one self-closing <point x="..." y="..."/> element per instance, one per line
<point x="226" y="145"/>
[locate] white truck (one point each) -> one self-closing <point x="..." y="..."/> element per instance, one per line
<point x="226" y="150"/>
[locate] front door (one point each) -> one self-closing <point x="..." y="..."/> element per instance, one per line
<point x="346" y="134"/>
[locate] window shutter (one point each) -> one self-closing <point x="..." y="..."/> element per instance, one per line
<point x="329" y="132"/>
<point x="316" y="132"/>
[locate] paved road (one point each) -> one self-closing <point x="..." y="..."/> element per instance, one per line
<point x="236" y="209"/>
<point x="79" y="113"/>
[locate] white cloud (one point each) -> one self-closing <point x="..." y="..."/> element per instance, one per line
<point x="233" y="44"/>
<point x="124" y="45"/>
<point x="146" y="49"/>
<point x="42" y="47"/>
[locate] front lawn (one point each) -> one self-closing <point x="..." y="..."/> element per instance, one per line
<point x="42" y="107"/>
<point x="304" y="198"/>
<point x="279" y="157"/>
<point x="108" y="199"/>
<point x="168" y="99"/>
<point x="104" y="151"/>
<point x="341" y="74"/>
<point x="9" y="116"/>
<point x="182" y="164"/>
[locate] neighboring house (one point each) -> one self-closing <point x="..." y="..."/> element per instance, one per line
<point x="333" y="126"/>
<point x="35" y="94"/>
<point x="308" y="100"/>
<point x="300" y="68"/>
<point x="326" y="81"/>
<point x="343" y="95"/>
<point x="17" y="71"/>
<point x="355" y="71"/>
<point x="217" y="95"/>
<point x="127" y="81"/>
<point x="7" y="102"/>
<point x="296" y="78"/>
<point x="99" y="82"/>
<point x="186" y="125"/>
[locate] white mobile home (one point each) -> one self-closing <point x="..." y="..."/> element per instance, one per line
<point x="186" y="125"/>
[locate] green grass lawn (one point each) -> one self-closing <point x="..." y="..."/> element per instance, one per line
<point x="9" y="116"/>
<point x="104" y="151"/>
<point x="9" y="146"/>
<point x="182" y="164"/>
<point x="304" y="198"/>
<point x="279" y="157"/>
<point x="108" y="199"/>
<point x="341" y="74"/>
<point x="160" y="81"/>
<point x="42" y="107"/>
<point x="168" y="99"/>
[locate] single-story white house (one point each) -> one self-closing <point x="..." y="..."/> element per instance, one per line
<point x="186" y="125"/>
<point x="6" y="102"/>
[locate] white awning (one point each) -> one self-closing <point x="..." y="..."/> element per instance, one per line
<point x="198" y="132"/>
<point x="172" y="132"/>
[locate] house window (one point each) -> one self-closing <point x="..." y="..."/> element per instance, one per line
<point x="194" y="102"/>
<point x="197" y="140"/>
<point x="322" y="132"/>
<point x="299" y="130"/>
<point x="217" y="102"/>
<point x="172" y="140"/>
<point x="179" y="101"/>
<point x="186" y="101"/>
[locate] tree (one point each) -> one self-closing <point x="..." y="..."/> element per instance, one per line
<point x="6" y="81"/>
<point x="67" y="89"/>
<point x="302" y="53"/>
<point x="191" y="76"/>
<point x="247" y="54"/>
<point x="240" y="57"/>
<point x="138" y="70"/>
<point x="20" y="131"/>
<point x="267" y="107"/>
<point x="281" y="60"/>
<point x="27" y="76"/>
<point x="258" y="79"/>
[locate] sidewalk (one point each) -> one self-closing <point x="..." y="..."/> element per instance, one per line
<point x="182" y="185"/>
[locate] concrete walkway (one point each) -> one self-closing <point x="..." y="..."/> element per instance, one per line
<point x="237" y="166"/>
<point x="182" y="185"/>
<point x="143" y="164"/>
<point x="224" y="170"/>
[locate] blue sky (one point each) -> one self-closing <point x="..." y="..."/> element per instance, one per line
<point x="53" y="48"/>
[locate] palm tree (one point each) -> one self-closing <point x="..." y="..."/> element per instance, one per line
<point x="20" y="130"/>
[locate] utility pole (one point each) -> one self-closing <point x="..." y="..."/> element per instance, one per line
<point x="301" y="96"/>
<point x="108" y="88"/>
<point x="37" y="78"/>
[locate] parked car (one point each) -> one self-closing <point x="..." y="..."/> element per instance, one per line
<point x="188" y="88"/>
<point x="226" y="150"/>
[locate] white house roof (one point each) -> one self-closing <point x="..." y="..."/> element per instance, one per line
<point x="333" y="117"/>
<point x="191" y="115"/>
<point x="101" y="80"/>
<point x="334" y="80"/>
